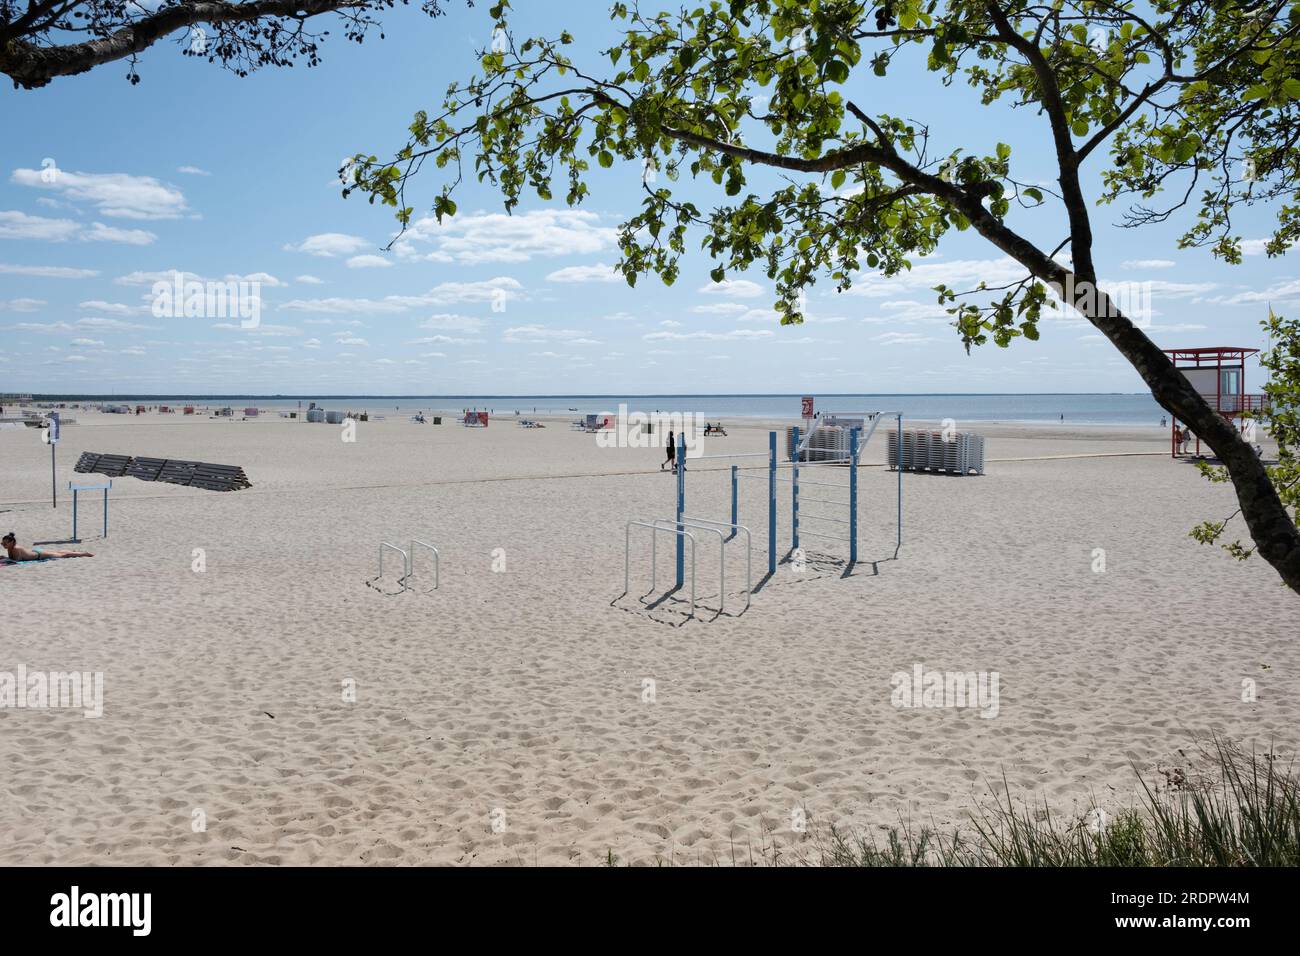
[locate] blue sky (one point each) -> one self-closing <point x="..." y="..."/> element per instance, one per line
<point x="197" y="170"/>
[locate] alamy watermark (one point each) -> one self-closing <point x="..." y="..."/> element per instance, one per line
<point x="936" y="689"/>
<point x="645" y="430"/>
<point x="48" y="690"/>
<point x="1130" y="300"/>
<point x="191" y="299"/>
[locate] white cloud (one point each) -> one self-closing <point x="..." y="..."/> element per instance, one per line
<point x="21" y="305"/>
<point x="737" y="288"/>
<point x="708" y="336"/>
<point x="1148" y="264"/>
<point x="149" y="278"/>
<point x="111" y="325"/>
<point x="720" y="308"/>
<point x="261" y="278"/>
<point x="309" y="280"/>
<point x="19" y="225"/>
<point x="450" y="322"/>
<point x="496" y="237"/>
<point x="902" y="338"/>
<point x="98" y="232"/>
<point x="87" y="343"/>
<point x="329" y="245"/>
<point x="539" y="333"/>
<point x="369" y="262"/>
<point x="119" y="195"/>
<point x="597" y="273"/>
<point x="1286" y="290"/>
<point x="47" y="272"/>
<point x="959" y="274"/>
<point x="192" y="171"/>
<point x="502" y="289"/>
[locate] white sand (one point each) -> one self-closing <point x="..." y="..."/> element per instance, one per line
<point x="522" y="691"/>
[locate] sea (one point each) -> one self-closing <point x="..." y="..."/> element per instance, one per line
<point x="1072" y="408"/>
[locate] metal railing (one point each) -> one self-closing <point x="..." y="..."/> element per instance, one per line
<point x="410" y="570"/>
<point x="406" y="565"/>
<point x="679" y="533"/>
<point x="709" y="524"/>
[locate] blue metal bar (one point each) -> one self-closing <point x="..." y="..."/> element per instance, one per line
<point x="734" y="496"/>
<point x="680" y="459"/>
<point x="794" y="494"/>
<point x="899" y="542"/>
<point x="853" y="497"/>
<point x="74" y="515"/>
<point x="771" y="503"/>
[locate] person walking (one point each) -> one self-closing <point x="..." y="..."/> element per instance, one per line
<point x="671" y="457"/>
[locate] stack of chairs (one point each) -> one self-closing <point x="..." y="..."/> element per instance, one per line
<point x="923" y="450"/>
<point x="195" y="474"/>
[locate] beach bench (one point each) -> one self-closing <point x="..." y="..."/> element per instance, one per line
<point x="195" y="474"/>
<point x="219" y="477"/>
<point x="112" y="465"/>
<point x="146" y="469"/>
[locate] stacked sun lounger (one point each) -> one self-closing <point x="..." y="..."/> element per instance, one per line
<point x="958" y="453"/>
<point x="195" y="474"/>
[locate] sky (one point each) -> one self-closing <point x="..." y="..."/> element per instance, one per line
<point x="198" y="171"/>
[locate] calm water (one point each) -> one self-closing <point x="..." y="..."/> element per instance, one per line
<point x="1108" y="409"/>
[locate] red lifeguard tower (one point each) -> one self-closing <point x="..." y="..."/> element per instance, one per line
<point x="1218" y="373"/>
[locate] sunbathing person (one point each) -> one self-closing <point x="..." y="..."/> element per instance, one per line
<point x="17" y="553"/>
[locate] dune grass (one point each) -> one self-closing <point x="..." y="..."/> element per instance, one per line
<point x="1246" y="814"/>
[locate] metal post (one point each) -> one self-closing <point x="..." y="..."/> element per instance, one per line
<point x="106" y="510"/>
<point x="54" y="486"/>
<point x="734" y="495"/>
<point x="771" y="503"/>
<point x="853" y="496"/>
<point x="899" y="542"/>
<point x="794" y="494"/>
<point x="74" y="515"/>
<point x="680" y="459"/>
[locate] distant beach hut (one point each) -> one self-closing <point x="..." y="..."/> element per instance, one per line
<point x="250" y="413"/>
<point x="315" y="414"/>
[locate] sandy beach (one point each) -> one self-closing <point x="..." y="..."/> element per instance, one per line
<point x="507" y="718"/>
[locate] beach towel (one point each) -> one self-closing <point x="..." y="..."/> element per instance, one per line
<point x="6" y="562"/>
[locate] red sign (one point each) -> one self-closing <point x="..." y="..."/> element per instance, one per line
<point x="807" y="406"/>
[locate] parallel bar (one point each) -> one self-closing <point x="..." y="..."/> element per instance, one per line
<point x="853" y="493"/>
<point x="680" y="460"/>
<point x="757" y="454"/>
<point x="749" y="550"/>
<point x="654" y="555"/>
<point x="436" y="562"/>
<point x="733" y="495"/>
<point x="771" y="504"/>
<point x="794" y="494"/>
<point x="899" y="541"/>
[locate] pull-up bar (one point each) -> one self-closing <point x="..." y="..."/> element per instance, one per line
<point x="78" y="488"/>
<point x="771" y="500"/>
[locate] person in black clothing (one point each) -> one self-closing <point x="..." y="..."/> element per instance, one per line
<point x="671" y="460"/>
